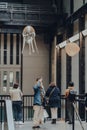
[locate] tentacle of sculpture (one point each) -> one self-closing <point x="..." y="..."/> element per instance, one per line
<point x="30" y="48"/>
<point x="35" y="46"/>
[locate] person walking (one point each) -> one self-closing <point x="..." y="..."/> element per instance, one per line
<point x="53" y="93"/>
<point x="16" y="97"/>
<point x="38" y="103"/>
<point x="69" y="107"/>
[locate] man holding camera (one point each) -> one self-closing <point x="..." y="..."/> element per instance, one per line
<point x="69" y="100"/>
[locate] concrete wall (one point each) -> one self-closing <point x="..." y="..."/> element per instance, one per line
<point x="63" y="80"/>
<point x="35" y="65"/>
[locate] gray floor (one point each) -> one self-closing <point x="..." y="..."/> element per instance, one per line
<point x="60" y="125"/>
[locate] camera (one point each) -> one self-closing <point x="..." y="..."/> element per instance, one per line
<point x="72" y="95"/>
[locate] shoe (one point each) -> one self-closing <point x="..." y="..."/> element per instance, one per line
<point x="38" y="126"/>
<point x="20" y="123"/>
<point x="35" y="127"/>
<point x="69" y="122"/>
<point x="53" y="121"/>
<point x="16" y="122"/>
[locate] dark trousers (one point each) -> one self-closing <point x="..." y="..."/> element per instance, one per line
<point x="69" y="110"/>
<point x="17" y="110"/>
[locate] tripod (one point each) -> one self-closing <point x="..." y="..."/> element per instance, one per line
<point x="76" y="111"/>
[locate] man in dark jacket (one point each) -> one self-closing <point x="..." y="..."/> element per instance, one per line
<point x="53" y="93"/>
<point x="37" y="103"/>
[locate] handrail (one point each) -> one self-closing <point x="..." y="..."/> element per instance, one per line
<point x="8" y="7"/>
<point x="28" y="104"/>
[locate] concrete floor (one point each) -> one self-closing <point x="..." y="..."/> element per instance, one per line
<point x="60" y="125"/>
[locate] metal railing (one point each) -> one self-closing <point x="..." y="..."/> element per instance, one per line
<point x="20" y="8"/>
<point x="20" y="13"/>
<point x="2" y="107"/>
<point x="28" y="107"/>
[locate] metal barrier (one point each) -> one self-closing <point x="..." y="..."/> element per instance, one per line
<point x="6" y="115"/>
<point x="28" y="107"/>
<point x="2" y="106"/>
<point x="2" y="110"/>
<point x="2" y="114"/>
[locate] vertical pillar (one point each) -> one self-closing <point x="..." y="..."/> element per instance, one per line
<point x="85" y="55"/>
<point x="53" y="61"/>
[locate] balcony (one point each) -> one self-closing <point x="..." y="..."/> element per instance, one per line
<point x="20" y="15"/>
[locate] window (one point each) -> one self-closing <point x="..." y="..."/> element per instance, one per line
<point x="5" y="49"/>
<point x="9" y="70"/>
<point x="17" y="49"/>
<point x="5" y="79"/>
<point x="11" y="78"/>
<point x="17" y="76"/>
<point x="11" y="49"/>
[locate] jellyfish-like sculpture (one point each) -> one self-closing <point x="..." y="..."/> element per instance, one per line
<point x="29" y="38"/>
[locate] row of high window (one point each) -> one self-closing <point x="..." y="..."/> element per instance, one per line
<point x="7" y="79"/>
<point x="10" y="60"/>
<point x="10" y="78"/>
<point x="10" y="48"/>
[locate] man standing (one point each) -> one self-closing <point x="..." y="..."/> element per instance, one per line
<point x="53" y="93"/>
<point x="16" y="97"/>
<point x="37" y="104"/>
<point x="69" y="102"/>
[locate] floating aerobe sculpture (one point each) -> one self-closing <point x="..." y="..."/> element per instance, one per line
<point x="29" y="38"/>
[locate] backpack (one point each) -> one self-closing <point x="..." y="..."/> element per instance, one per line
<point x="72" y="95"/>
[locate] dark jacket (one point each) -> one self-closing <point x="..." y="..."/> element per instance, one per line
<point x="54" y="100"/>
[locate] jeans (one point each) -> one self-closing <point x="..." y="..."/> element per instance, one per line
<point x="17" y="110"/>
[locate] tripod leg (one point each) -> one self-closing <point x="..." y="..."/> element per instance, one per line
<point x="76" y="110"/>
